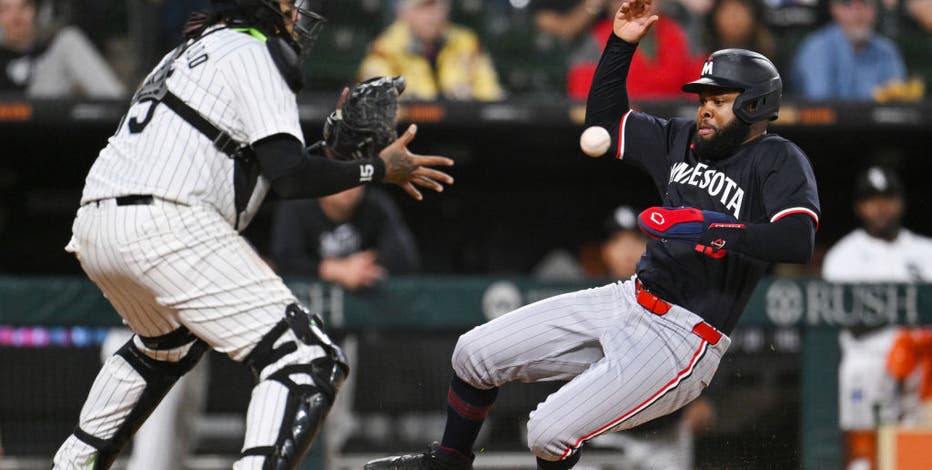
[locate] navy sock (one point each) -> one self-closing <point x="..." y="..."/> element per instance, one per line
<point x="566" y="463"/>
<point x="467" y="407"/>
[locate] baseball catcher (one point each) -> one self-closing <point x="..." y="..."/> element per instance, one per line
<point x="211" y="132"/>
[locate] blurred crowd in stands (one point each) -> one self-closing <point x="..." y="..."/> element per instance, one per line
<point x="862" y="50"/>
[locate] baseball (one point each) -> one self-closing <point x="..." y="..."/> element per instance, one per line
<point x="595" y="141"/>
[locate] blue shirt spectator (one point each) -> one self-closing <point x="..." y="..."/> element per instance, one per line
<point x="846" y="59"/>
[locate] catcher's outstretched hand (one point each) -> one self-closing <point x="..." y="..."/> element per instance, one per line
<point x="410" y="170"/>
<point x="633" y="20"/>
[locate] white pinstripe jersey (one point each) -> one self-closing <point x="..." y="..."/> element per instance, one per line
<point x="229" y="77"/>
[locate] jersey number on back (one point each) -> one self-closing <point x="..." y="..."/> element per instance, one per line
<point x="155" y="87"/>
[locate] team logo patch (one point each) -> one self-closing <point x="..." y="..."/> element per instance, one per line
<point x="657" y="218"/>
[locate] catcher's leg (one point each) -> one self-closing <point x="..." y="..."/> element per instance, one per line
<point x="127" y="389"/>
<point x="299" y="371"/>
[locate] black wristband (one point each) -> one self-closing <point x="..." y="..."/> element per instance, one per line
<point x="378" y="166"/>
<point x="295" y="172"/>
<point x="366" y="175"/>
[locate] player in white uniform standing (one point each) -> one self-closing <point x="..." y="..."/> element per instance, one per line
<point x="880" y="251"/>
<point x="211" y="131"/>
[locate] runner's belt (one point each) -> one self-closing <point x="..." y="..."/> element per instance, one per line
<point x="660" y="307"/>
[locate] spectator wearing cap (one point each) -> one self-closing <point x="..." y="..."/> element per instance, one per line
<point x="847" y="59"/>
<point x="874" y="388"/>
<point x="439" y="60"/>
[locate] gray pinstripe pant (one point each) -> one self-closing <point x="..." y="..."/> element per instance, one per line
<point x="625" y="365"/>
<point x="165" y="265"/>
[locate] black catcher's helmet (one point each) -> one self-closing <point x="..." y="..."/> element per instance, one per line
<point x="296" y="20"/>
<point x="748" y="71"/>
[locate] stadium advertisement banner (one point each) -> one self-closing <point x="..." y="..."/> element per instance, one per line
<point x="464" y="302"/>
<point x="455" y="303"/>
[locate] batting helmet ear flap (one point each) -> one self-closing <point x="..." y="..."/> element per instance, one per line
<point x="751" y="107"/>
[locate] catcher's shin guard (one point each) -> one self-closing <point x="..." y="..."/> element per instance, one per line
<point x="299" y="371"/>
<point x="128" y="388"/>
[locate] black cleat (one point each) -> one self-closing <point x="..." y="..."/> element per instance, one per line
<point x="432" y="459"/>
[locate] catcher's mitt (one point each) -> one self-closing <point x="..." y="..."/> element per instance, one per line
<point x="365" y="123"/>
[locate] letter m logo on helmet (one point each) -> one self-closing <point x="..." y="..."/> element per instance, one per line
<point x="752" y="74"/>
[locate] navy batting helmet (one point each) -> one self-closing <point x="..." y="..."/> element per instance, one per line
<point x="753" y="74"/>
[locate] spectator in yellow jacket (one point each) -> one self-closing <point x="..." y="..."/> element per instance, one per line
<point x="438" y="59"/>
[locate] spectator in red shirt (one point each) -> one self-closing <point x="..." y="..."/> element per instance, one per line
<point x="661" y="64"/>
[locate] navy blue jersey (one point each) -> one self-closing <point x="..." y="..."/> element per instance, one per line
<point x="765" y="180"/>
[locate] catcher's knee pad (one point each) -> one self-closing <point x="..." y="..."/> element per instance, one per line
<point x="179" y="351"/>
<point x="298" y="355"/>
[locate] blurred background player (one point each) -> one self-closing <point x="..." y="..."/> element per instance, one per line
<point x="871" y="393"/>
<point x="354" y="238"/>
<point x="440" y="60"/>
<point x="623" y="245"/>
<point x="50" y="64"/>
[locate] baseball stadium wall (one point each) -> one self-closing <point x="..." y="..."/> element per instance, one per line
<point x="775" y="396"/>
